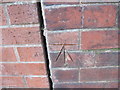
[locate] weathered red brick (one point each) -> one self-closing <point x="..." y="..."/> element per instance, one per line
<point x="100" y="16"/>
<point x="65" y="75"/>
<point x="84" y="59"/>
<point x="98" y="1"/>
<point x="3" y="20"/>
<point x="8" y="55"/>
<point x="56" y="40"/>
<point x="57" y="62"/>
<point x="23" y="69"/>
<point x="0" y="37"/>
<point x="59" y="2"/>
<point x="107" y="59"/>
<point x="31" y="54"/>
<point x="37" y="82"/>
<point x="78" y="60"/>
<point x="63" y="18"/>
<point x="23" y="14"/>
<point x="119" y="18"/>
<point x="99" y="39"/>
<point x="99" y="74"/>
<point x="7" y="1"/>
<point x="12" y="82"/>
<point x="63" y="38"/>
<point x="109" y="85"/>
<point x="26" y="35"/>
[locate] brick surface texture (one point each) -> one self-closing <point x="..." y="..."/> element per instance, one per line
<point x="82" y="41"/>
<point x="82" y="38"/>
<point x="22" y="61"/>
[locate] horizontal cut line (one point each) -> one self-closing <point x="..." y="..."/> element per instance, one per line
<point x="62" y="44"/>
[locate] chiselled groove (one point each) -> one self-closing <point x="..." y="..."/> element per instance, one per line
<point x="65" y="52"/>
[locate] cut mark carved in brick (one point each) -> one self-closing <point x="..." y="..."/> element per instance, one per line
<point x="67" y="56"/>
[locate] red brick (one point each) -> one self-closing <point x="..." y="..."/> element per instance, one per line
<point x="23" y="14"/>
<point x="99" y="74"/>
<point x="59" y="2"/>
<point x="65" y="76"/>
<point x="99" y="86"/>
<point x="12" y="82"/>
<point x="0" y="54"/>
<point x="17" y="0"/>
<point x="56" y="40"/>
<point x="31" y="54"/>
<point x="98" y="1"/>
<point x="23" y="69"/>
<point x="85" y="59"/>
<point x="37" y="82"/>
<point x="57" y="62"/>
<point x="26" y="35"/>
<point x="63" y="38"/>
<point x="8" y="55"/>
<point x="119" y="18"/>
<point x="107" y="59"/>
<point x="63" y="18"/>
<point x="79" y="60"/>
<point x="3" y="20"/>
<point x="100" y="16"/>
<point x="0" y="37"/>
<point x="99" y="39"/>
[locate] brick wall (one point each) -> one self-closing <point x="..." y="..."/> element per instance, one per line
<point x="22" y="63"/>
<point x="82" y="41"/>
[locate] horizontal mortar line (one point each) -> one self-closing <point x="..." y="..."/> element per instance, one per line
<point x="100" y="29"/>
<point x="17" y="26"/>
<point x="23" y="75"/>
<point x="88" y="51"/>
<point x="99" y="67"/>
<point x="18" y="2"/>
<point x="19" y="62"/>
<point x="86" y="82"/>
<point x="82" y="29"/>
<point x="60" y="31"/>
<point x="24" y="45"/>
<point x="79" y="5"/>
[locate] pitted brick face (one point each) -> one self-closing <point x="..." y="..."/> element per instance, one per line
<point x="63" y="18"/>
<point x="23" y="14"/>
<point x="21" y="35"/>
<point x="3" y="19"/>
<point x="100" y="16"/>
<point x="21" y="48"/>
